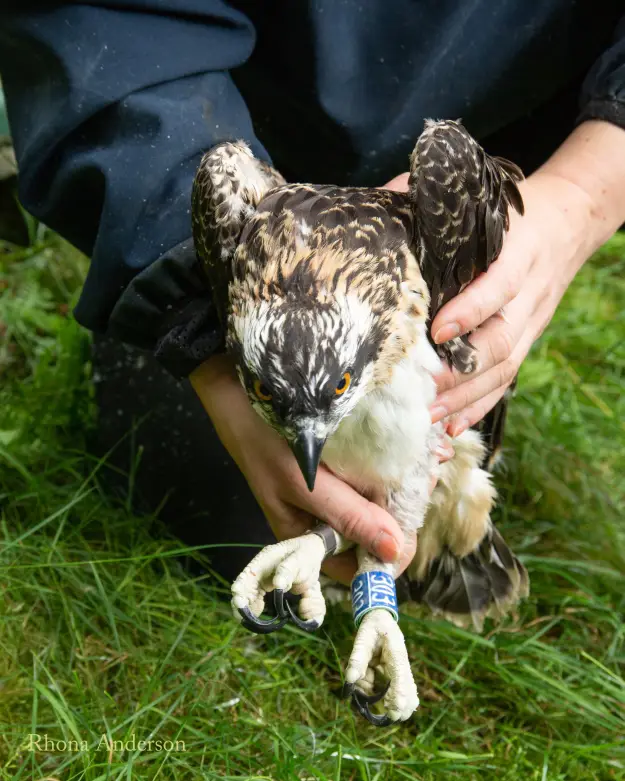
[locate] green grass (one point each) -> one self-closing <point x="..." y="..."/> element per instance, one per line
<point x="103" y="633"/>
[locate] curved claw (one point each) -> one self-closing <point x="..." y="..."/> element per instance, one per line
<point x="370" y="699"/>
<point x="261" y="626"/>
<point x="348" y="690"/>
<point x="307" y="626"/>
<point x="362" y="702"/>
<point x="278" y="603"/>
<point x="373" y="718"/>
<point x="284" y="614"/>
<point x="283" y="609"/>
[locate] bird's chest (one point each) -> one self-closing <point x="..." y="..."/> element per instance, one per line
<point x="387" y="437"/>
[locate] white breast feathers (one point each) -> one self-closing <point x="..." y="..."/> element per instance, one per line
<point x="389" y="433"/>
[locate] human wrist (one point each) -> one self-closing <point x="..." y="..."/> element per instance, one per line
<point x="211" y="376"/>
<point x="592" y="162"/>
<point x="567" y="229"/>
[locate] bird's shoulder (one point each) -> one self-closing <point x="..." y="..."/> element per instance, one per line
<point x="313" y="235"/>
<point x="327" y="208"/>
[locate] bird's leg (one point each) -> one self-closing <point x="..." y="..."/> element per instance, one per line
<point x="380" y="646"/>
<point x="291" y="565"/>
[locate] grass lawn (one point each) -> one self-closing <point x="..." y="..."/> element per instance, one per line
<point x="104" y="636"/>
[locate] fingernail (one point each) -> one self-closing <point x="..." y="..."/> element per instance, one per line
<point x="446" y="333"/>
<point x="386" y="547"/>
<point x="458" y="426"/>
<point x="438" y="413"/>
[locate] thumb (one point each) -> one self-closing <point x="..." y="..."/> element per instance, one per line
<point x="355" y="517"/>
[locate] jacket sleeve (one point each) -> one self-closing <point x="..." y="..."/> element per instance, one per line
<point x="603" y="91"/>
<point x="111" y="107"/>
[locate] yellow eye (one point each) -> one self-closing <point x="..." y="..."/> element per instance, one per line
<point x="343" y="384"/>
<point x="261" y="391"/>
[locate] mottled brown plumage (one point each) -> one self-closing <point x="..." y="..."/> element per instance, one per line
<point x="293" y="250"/>
<point x="229" y="184"/>
<point x="461" y="197"/>
<point x="246" y="223"/>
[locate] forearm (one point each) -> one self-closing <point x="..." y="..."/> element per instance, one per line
<point x="592" y="159"/>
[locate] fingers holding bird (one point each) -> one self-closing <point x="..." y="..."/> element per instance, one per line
<point x="502" y="344"/>
<point x="487" y="294"/>
<point x="541" y="254"/>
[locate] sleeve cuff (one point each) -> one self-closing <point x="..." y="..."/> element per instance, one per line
<point x="168" y="309"/>
<point x="609" y="110"/>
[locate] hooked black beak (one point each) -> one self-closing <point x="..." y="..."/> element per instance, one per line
<point x="307" y="450"/>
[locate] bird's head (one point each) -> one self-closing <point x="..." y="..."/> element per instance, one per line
<point x="305" y="364"/>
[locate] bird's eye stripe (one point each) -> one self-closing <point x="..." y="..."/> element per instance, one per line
<point x="343" y="384"/>
<point x="261" y="391"/>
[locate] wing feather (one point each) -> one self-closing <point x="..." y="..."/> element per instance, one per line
<point x="461" y="199"/>
<point x="228" y="187"/>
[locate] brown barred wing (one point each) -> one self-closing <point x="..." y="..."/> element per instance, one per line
<point x="461" y="198"/>
<point x="228" y="186"/>
<point x="352" y="218"/>
<point x="321" y="236"/>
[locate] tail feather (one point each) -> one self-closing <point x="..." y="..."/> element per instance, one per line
<point x="486" y="582"/>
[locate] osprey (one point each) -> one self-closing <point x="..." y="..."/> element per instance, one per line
<point x="325" y="294"/>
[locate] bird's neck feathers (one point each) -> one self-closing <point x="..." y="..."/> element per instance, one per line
<point x="406" y="329"/>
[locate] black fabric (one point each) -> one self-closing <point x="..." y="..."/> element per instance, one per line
<point x="192" y="337"/>
<point x="111" y="105"/>
<point x="168" y="308"/>
<point x="154" y="428"/>
<point x="603" y="92"/>
<point x="608" y="110"/>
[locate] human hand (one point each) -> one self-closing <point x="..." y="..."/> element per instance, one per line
<point x="277" y="483"/>
<point x="513" y="302"/>
<point x="572" y="205"/>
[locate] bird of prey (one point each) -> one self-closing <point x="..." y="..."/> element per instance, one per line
<point x="325" y="294"/>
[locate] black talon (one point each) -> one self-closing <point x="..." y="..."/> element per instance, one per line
<point x="308" y="626"/>
<point x="371" y="699"/>
<point x="278" y="603"/>
<point x="348" y="690"/>
<point x="373" y="718"/>
<point x="284" y="614"/>
<point x="362" y="701"/>
<point x="261" y="626"/>
<point x="283" y="608"/>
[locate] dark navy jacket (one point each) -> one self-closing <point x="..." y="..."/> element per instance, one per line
<point x="111" y="105"/>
